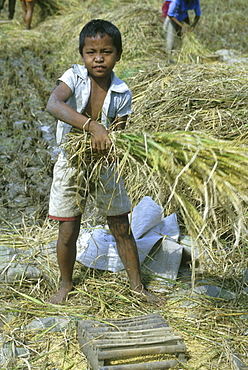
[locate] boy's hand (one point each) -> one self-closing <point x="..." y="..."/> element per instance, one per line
<point x="100" y="139"/>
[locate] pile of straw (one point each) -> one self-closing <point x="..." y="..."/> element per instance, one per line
<point x="55" y="40"/>
<point x="141" y="29"/>
<point x="211" y="98"/>
<point x="51" y="7"/>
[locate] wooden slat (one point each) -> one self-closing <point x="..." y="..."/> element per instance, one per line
<point x="168" y="364"/>
<point x="145" y="351"/>
<point x="129" y="333"/>
<point x="136" y="342"/>
<point x="115" y="327"/>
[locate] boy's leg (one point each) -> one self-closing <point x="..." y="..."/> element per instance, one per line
<point x="127" y="249"/>
<point x="66" y="254"/>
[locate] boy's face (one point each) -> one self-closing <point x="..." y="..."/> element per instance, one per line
<point x="99" y="55"/>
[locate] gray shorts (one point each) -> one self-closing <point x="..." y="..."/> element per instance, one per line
<point x="69" y="192"/>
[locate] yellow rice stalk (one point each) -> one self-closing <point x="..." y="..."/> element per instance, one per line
<point x="191" y="49"/>
<point x="212" y="99"/>
<point x="205" y="178"/>
<point x="51" y="7"/>
<point x="141" y="29"/>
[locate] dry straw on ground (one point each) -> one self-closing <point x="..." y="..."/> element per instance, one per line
<point x="211" y="98"/>
<point x="212" y="328"/>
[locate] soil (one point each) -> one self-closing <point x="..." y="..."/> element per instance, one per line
<point x="26" y="140"/>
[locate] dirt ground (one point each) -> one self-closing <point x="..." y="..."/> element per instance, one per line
<point x="27" y="140"/>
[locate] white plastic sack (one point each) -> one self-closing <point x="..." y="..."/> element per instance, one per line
<point x="99" y="250"/>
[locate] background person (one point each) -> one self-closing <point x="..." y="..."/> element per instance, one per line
<point x="27" y="11"/>
<point x="165" y="8"/>
<point x="174" y="24"/>
<point x="12" y="4"/>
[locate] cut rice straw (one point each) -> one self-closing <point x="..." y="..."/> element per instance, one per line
<point x="202" y="176"/>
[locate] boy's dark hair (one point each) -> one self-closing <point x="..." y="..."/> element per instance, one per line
<point x="100" y="27"/>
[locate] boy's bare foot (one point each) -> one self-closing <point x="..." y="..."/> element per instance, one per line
<point x="60" y="296"/>
<point x="141" y="293"/>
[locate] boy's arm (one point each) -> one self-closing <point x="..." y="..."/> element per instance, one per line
<point x="57" y="106"/>
<point x="120" y="123"/>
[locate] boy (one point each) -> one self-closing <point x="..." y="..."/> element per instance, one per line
<point x="177" y="16"/>
<point x="84" y="94"/>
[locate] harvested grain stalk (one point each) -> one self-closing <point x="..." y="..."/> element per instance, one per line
<point x="192" y="50"/>
<point x="201" y="174"/>
<point x="212" y="99"/>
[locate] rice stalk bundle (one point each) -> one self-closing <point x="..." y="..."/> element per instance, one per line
<point x="191" y="49"/>
<point x="141" y="29"/>
<point x="51" y="7"/>
<point x="208" y="98"/>
<point x="80" y="154"/>
<point x="205" y="178"/>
